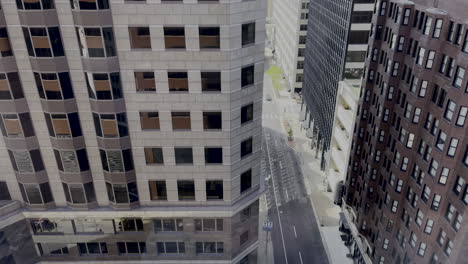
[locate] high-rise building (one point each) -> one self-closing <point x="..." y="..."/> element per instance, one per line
<point x="132" y="129"/>
<point x="289" y="39"/>
<point x="406" y="192"/>
<point x="347" y="97"/>
<point x="337" y="38"/>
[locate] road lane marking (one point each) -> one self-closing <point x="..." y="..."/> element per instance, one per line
<point x="276" y="204"/>
<point x="294" y="228"/>
<point x="300" y="257"/>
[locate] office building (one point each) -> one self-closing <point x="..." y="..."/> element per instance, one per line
<point x="336" y="46"/>
<point x="132" y="129"/>
<point x="347" y="98"/>
<point x="289" y="39"/>
<point x="406" y="191"/>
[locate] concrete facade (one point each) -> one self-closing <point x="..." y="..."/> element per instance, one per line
<point x="95" y="41"/>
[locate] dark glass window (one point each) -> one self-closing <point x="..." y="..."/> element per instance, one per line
<point x="4" y="193"/>
<point x="183" y="155"/>
<point x="247" y="76"/>
<point x="359" y="17"/>
<point x="154" y="155"/>
<point x="213" y="155"/>
<point x="214" y="190"/>
<point x="157" y="190"/>
<point x="246" y="147"/>
<point x="246" y="113"/>
<point x="130" y="225"/>
<point x="358" y="37"/>
<point x="209" y="37"/>
<point x="211" y="81"/>
<point x="246" y="181"/>
<point x="72" y="161"/>
<point x="131" y="247"/>
<point x="186" y="190"/>
<point x="248" y="34"/>
<point x="89" y="4"/>
<point x="10" y="86"/>
<point x="5" y="46"/>
<point x="212" y="120"/>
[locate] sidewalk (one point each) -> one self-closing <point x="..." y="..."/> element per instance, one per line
<point x="265" y="251"/>
<point x="326" y="211"/>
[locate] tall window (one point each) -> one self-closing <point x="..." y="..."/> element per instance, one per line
<point x="248" y="34"/>
<point x="246" y="147"/>
<point x="247" y="76"/>
<point x="5" y="46"/>
<point x="247" y="113"/>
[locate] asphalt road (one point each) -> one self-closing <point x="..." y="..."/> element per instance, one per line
<point x="295" y="236"/>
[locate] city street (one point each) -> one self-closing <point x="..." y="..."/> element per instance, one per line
<point x="296" y="235"/>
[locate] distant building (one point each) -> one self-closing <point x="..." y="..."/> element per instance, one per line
<point x="336" y="47"/>
<point x="406" y="187"/>
<point x="289" y="40"/>
<point x="343" y="125"/>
